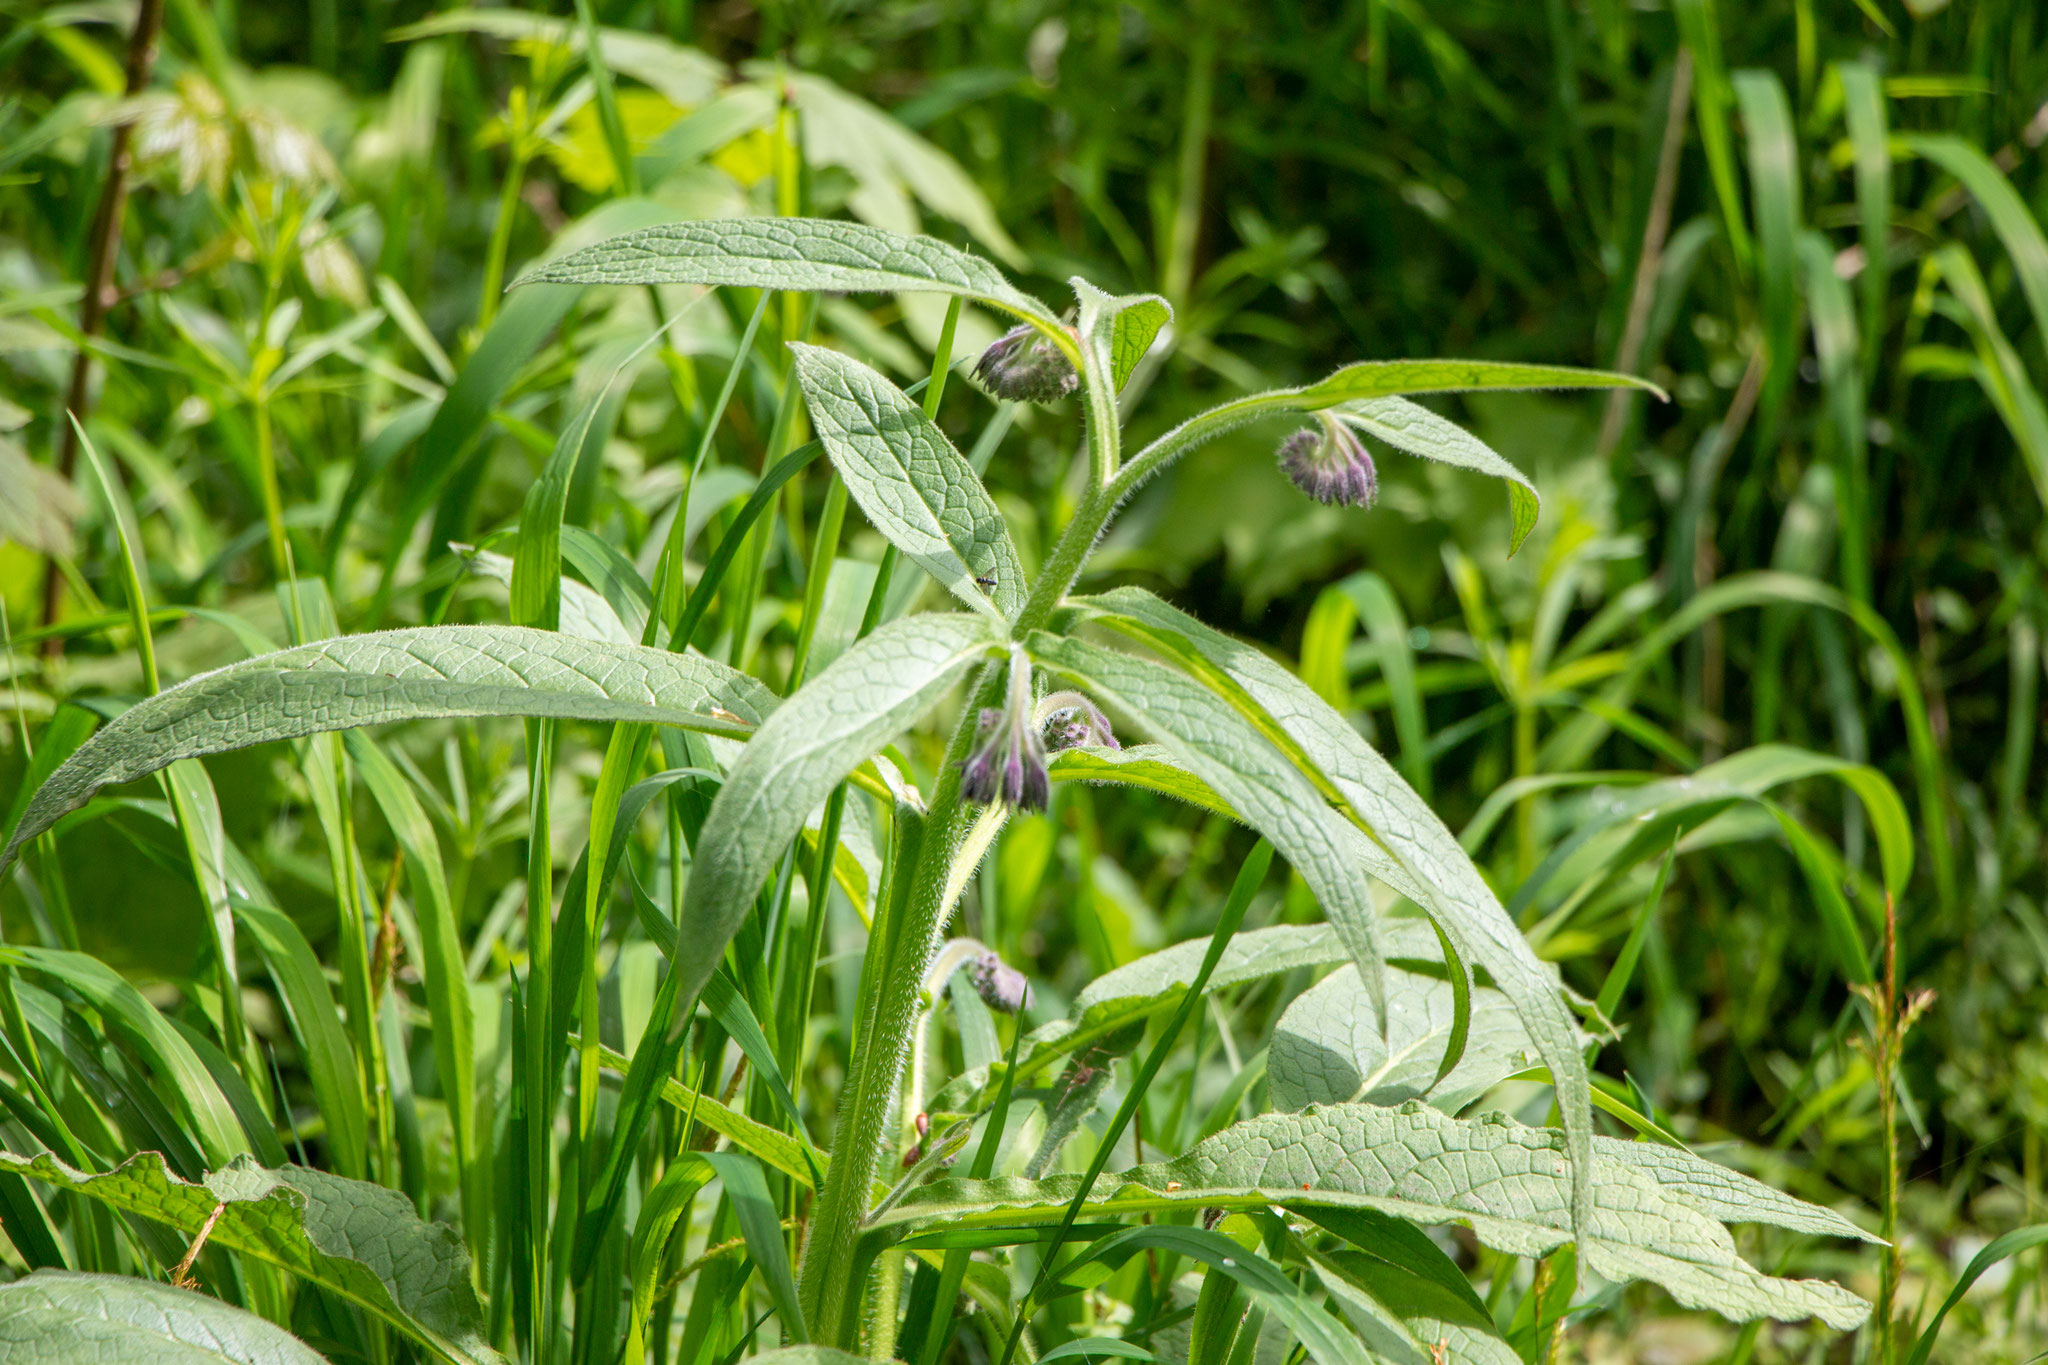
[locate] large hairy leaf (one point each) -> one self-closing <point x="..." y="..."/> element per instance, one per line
<point x="428" y="671"/>
<point x="1398" y="838"/>
<point x="820" y="734"/>
<point x="914" y="486"/>
<point x="1261" y="783"/>
<point x="56" y="1317"/>
<point x="1506" y="1182"/>
<point x="361" y="1241"/>
<point x="790" y="253"/>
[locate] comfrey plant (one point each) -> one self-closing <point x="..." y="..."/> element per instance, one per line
<point x="1307" y="1215"/>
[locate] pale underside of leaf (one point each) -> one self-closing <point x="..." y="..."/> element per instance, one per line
<point x="790" y="253"/>
<point x="914" y="486"/>
<point x="1506" y="1182"/>
<point x="836" y="721"/>
<point x="420" y="673"/>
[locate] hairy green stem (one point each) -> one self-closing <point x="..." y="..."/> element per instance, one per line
<point x="831" y="1293"/>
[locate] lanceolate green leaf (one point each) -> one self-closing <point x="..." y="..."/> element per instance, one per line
<point x="1506" y="1182"/>
<point x="1774" y="196"/>
<point x="399" y="675"/>
<point x="1367" y="379"/>
<point x="791" y="253"/>
<point x="1415" y="429"/>
<point x="1227" y="752"/>
<point x="1387" y="378"/>
<point x="361" y="1241"/>
<point x="831" y="725"/>
<point x="1138" y="765"/>
<point x="1395" y="835"/>
<point x="914" y="486"/>
<point x="58" y="1318"/>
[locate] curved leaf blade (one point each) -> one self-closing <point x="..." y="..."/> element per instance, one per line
<point x="814" y="739"/>
<point x="914" y="486"/>
<point x="1415" y="429"/>
<point x="61" y="1317"/>
<point x="1228" y="753"/>
<point x="790" y="253"/>
<point x="361" y="1241"/>
<point x="1393" y="833"/>
<point x="424" y="672"/>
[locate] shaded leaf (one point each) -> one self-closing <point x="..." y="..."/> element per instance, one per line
<point x="361" y="1241"/>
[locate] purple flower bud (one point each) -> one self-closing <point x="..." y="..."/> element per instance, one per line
<point x="1330" y="465"/>
<point x="1070" y="720"/>
<point x="1022" y="365"/>
<point x="1008" y="764"/>
<point x="1001" y="987"/>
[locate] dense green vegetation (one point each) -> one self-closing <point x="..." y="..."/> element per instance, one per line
<point x="549" y="429"/>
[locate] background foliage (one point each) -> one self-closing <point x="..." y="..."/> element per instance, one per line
<point x="1816" y="226"/>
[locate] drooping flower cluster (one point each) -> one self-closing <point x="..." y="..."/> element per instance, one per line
<point x="1008" y="762"/>
<point x="1023" y="366"/>
<point x="1069" y="720"/>
<point x="1330" y="464"/>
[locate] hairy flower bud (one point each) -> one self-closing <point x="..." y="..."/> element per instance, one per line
<point x="1001" y="987"/>
<point x="1331" y="465"/>
<point x="1069" y="720"/>
<point x="1008" y="763"/>
<point x="1023" y="366"/>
